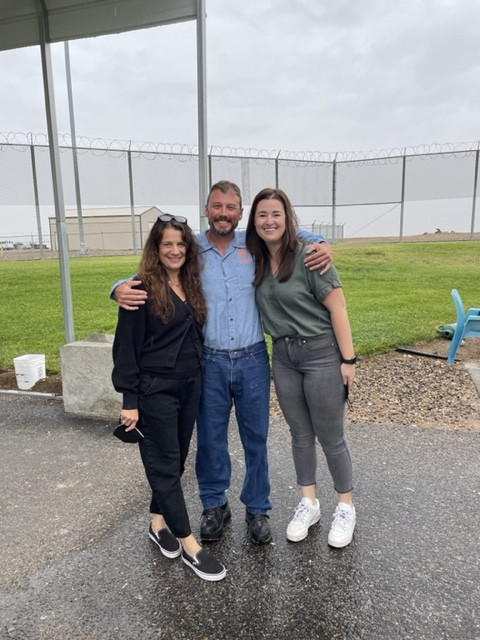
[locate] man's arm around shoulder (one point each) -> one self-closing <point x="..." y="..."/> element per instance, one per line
<point x="128" y="297"/>
<point x="319" y="253"/>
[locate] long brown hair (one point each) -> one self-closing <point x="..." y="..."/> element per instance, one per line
<point x="290" y="241"/>
<point x="155" y="277"/>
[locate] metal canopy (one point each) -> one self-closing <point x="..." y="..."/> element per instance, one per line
<point x="71" y="19"/>
<point x="26" y="23"/>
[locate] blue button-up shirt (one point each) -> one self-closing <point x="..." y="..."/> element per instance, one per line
<point x="233" y="318"/>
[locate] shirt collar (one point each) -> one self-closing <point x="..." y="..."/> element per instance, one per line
<point x="238" y="241"/>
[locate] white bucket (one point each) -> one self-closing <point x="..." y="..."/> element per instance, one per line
<point x="28" y="369"/>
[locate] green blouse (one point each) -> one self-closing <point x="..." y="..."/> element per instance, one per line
<point x="294" y="307"/>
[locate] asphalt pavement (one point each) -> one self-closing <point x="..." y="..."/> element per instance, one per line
<point x="76" y="561"/>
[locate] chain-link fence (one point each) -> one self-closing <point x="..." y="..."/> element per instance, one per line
<point x="112" y="190"/>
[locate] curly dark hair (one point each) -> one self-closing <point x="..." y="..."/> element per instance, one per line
<point x="290" y="241"/>
<point x="155" y="277"/>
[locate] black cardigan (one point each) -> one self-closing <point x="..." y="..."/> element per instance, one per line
<point x="143" y="344"/>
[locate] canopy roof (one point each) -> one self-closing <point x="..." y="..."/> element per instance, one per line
<point x="71" y="19"/>
<point x="25" y="23"/>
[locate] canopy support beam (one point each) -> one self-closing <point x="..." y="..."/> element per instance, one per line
<point x="62" y="238"/>
<point x="203" y="178"/>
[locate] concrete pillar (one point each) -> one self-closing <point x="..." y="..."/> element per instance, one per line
<point x="86" y="377"/>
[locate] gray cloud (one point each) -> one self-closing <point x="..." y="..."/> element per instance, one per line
<point x="283" y="74"/>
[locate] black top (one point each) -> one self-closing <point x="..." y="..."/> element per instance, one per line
<point x="144" y="344"/>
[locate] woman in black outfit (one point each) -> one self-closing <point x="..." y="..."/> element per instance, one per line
<point x="157" y="355"/>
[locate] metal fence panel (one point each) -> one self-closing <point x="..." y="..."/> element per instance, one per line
<point x="393" y="194"/>
<point x="369" y="181"/>
<point x="170" y="179"/>
<point x="306" y="183"/>
<point x="16" y="182"/>
<point x="251" y="174"/>
<point x="440" y="176"/>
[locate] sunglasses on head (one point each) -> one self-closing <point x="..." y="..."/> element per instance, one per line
<point x="167" y="217"/>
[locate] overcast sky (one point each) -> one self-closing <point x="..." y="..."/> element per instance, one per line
<point x="298" y="75"/>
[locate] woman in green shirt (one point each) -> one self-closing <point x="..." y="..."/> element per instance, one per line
<point x="313" y="358"/>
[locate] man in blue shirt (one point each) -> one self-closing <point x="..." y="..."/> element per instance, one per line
<point x="236" y="370"/>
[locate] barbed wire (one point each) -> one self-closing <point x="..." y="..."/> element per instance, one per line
<point x="119" y="146"/>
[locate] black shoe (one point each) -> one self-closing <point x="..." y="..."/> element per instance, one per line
<point x="205" y="565"/>
<point x="212" y="522"/>
<point x="258" y="528"/>
<point x="166" y="541"/>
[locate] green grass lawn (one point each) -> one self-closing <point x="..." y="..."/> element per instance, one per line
<point x="397" y="294"/>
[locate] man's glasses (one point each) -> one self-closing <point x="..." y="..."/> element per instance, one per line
<point x="167" y="217"/>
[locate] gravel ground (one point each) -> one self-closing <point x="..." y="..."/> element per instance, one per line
<point x="417" y="390"/>
<point x="391" y="388"/>
<point x="421" y="391"/>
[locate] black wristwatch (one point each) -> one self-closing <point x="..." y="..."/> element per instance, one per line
<point x="350" y="361"/>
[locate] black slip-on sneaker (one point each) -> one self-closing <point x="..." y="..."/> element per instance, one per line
<point x="166" y="541"/>
<point x="205" y="565"/>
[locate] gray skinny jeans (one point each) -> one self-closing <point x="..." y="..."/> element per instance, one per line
<point x="311" y="394"/>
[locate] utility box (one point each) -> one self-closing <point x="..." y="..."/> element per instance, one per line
<point x="87" y="378"/>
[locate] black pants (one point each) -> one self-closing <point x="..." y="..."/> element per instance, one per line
<point x="168" y="408"/>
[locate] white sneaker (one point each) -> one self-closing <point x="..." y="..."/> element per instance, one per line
<point x="306" y="514"/>
<point x="343" y="525"/>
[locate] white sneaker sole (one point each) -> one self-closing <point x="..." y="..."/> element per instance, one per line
<point x="339" y="544"/>
<point x="297" y="536"/>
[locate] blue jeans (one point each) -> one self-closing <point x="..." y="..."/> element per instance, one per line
<point x="240" y="377"/>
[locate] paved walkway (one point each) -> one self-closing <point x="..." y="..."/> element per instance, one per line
<point x="76" y="561"/>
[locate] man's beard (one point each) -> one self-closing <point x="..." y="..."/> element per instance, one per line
<point x="223" y="231"/>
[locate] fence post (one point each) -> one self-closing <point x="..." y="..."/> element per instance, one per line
<point x="245" y="179"/>
<point x="334" y="197"/>
<point x="132" y="198"/>
<point x="202" y="204"/>
<point x="402" y="197"/>
<point x="37" y="201"/>
<point x="277" y="170"/>
<point x="474" y="200"/>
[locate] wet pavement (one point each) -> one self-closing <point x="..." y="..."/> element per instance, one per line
<point x="76" y="561"/>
